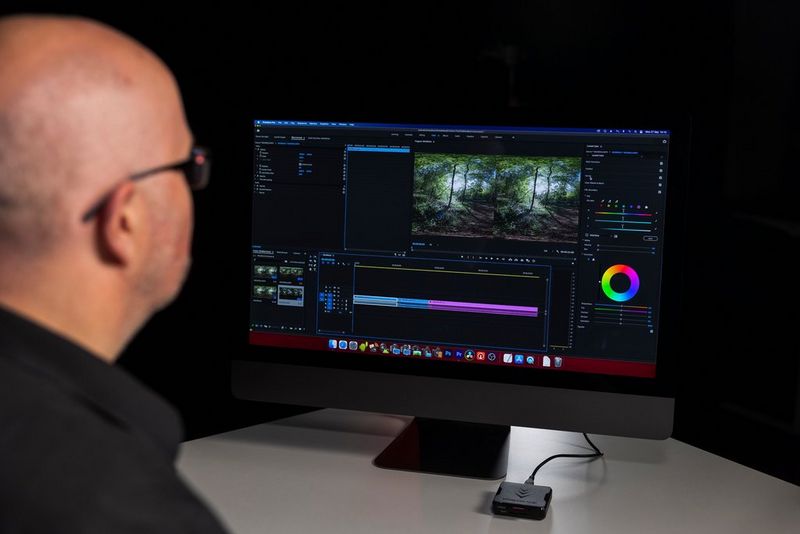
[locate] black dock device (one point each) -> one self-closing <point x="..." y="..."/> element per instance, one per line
<point x="522" y="500"/>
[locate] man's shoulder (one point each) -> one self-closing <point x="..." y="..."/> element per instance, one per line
<point x="22" y="390"/>
<point x="55" y="442"/>
<point x="66" y="466"/>
<point x="32" y="407"/>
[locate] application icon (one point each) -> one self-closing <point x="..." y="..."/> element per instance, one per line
<point x="469" y="354"/>
<point x="480" y="355"/>
<point x="415" y="351"/>
<point x="427" y="352"/>
<point x="438" y="352"/>
<point x="354" y="345"/>
<point x="363" y="346"/>
<point x="558" y="361"/>
<point x="406" y="350"/>
<point x="519" y="359"/>
<point x="373" y="347"/>
<point x="332" y="344"/>
<point x="491" y="356"/>
<point x="343" y="344"/>
<point x="508" y="357"/>
<point x="546" y="361"/>
<point x="448" y="354"/>
<point x="459" y="354"/>
<point x="395" y="349"/>
<point x="530" y="360"/>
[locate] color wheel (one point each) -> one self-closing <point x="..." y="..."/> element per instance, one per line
<point x="616" y="296"/>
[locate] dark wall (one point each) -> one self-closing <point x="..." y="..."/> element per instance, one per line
<point x="733" y="68"/>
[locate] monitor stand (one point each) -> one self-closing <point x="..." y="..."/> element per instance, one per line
<point x="449" y="448"/>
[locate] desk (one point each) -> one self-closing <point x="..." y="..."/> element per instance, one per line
<point x="314" y="473"/>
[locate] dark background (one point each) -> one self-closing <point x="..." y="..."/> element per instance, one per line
<point x="732" y="67"/>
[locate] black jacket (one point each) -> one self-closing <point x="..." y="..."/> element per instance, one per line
<point x="84" y="447"/>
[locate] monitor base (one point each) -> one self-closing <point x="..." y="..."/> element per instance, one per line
<point x="449" y="448"/>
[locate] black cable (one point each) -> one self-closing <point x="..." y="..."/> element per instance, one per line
<point x="597" y="453"/>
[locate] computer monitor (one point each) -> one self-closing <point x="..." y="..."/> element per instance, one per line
<point x="472" y="276"/>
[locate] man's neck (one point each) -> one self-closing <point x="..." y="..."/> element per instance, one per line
<point x="95" y="324"/>
<point x="74" y="327"/>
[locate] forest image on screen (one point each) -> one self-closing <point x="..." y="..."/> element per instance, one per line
<point x="497" y="196"/>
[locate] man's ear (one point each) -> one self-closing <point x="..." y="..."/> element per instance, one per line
<point x="118" y="224"/>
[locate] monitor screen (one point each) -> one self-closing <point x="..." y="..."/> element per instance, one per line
<point x="530" y="248"/>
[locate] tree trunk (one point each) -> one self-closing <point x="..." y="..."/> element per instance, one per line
<point x="494" y="194"/>
<point x="533" y="192"/>
<point x="464" y="191"/>
<point x="549" y="174"/>
<point x="452" y="185"/>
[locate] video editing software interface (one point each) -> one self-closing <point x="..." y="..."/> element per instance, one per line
<point x="460" y="245"/>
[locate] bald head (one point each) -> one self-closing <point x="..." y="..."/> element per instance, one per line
<point x="81" y="107"/>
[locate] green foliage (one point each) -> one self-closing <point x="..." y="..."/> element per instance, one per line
<point x="495" y="195"/>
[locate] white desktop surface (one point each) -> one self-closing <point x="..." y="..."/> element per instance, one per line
<point x="314" y="473"/>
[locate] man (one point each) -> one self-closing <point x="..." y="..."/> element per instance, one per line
<point x="95" y="232"/>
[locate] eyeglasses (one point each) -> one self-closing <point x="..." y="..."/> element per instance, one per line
<point x="196" y="168"/>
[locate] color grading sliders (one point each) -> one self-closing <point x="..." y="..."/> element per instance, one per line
<point x="620" y="283"/>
